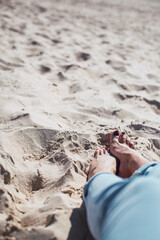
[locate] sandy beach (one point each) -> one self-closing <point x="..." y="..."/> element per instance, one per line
<point x="71" y="72"/>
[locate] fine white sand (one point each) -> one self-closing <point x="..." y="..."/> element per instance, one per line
<point x="70" y="72"/>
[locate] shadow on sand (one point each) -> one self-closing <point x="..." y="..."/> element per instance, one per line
<point x="79" y="229"/>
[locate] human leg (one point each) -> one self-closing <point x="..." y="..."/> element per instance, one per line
<point x="123" y="209"/>
<point x="97" y="192"/>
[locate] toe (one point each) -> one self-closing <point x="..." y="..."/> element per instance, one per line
<point x="101" y="151"/>
<point x="122" y="137"/>
<point x="127" y="141"/>
<point x="96" y="153"/>
<point x="131" y="145"/>
<point x="114" y="137"/>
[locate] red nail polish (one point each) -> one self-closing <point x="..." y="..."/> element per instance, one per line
<point x="116" y="133"/>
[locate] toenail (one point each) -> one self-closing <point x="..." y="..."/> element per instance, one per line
<point x="96" y="152"/>
<point x="116" y="133"/>
<point x="101" y="151"/>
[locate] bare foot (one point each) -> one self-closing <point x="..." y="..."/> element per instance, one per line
<point x="102" y="162"/>
<point x="122" y="148"/>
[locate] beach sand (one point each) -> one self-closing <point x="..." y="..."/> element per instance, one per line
<point x="70" y="73"/>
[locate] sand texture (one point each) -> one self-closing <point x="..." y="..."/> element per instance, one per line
<point x="70" y="72"/>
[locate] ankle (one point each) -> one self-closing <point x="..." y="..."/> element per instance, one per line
<point x="136" y="162"/>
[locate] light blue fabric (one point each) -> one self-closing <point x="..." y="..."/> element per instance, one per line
<point x="124" y="209"/>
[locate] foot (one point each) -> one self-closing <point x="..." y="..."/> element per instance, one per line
<point x="122" y="148"/>
<point x="102" y="162"/>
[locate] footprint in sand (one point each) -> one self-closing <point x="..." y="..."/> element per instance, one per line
<point x="61" y="76"/>
<point x="119" y="66"/>
<point x="81" y="56"/>
<point x="70" y="67"/>
<point x="37" y="182"/>
<point x="75" y="88"/>
<point x="35" y="43"/>
<point x="44" y="69"/>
